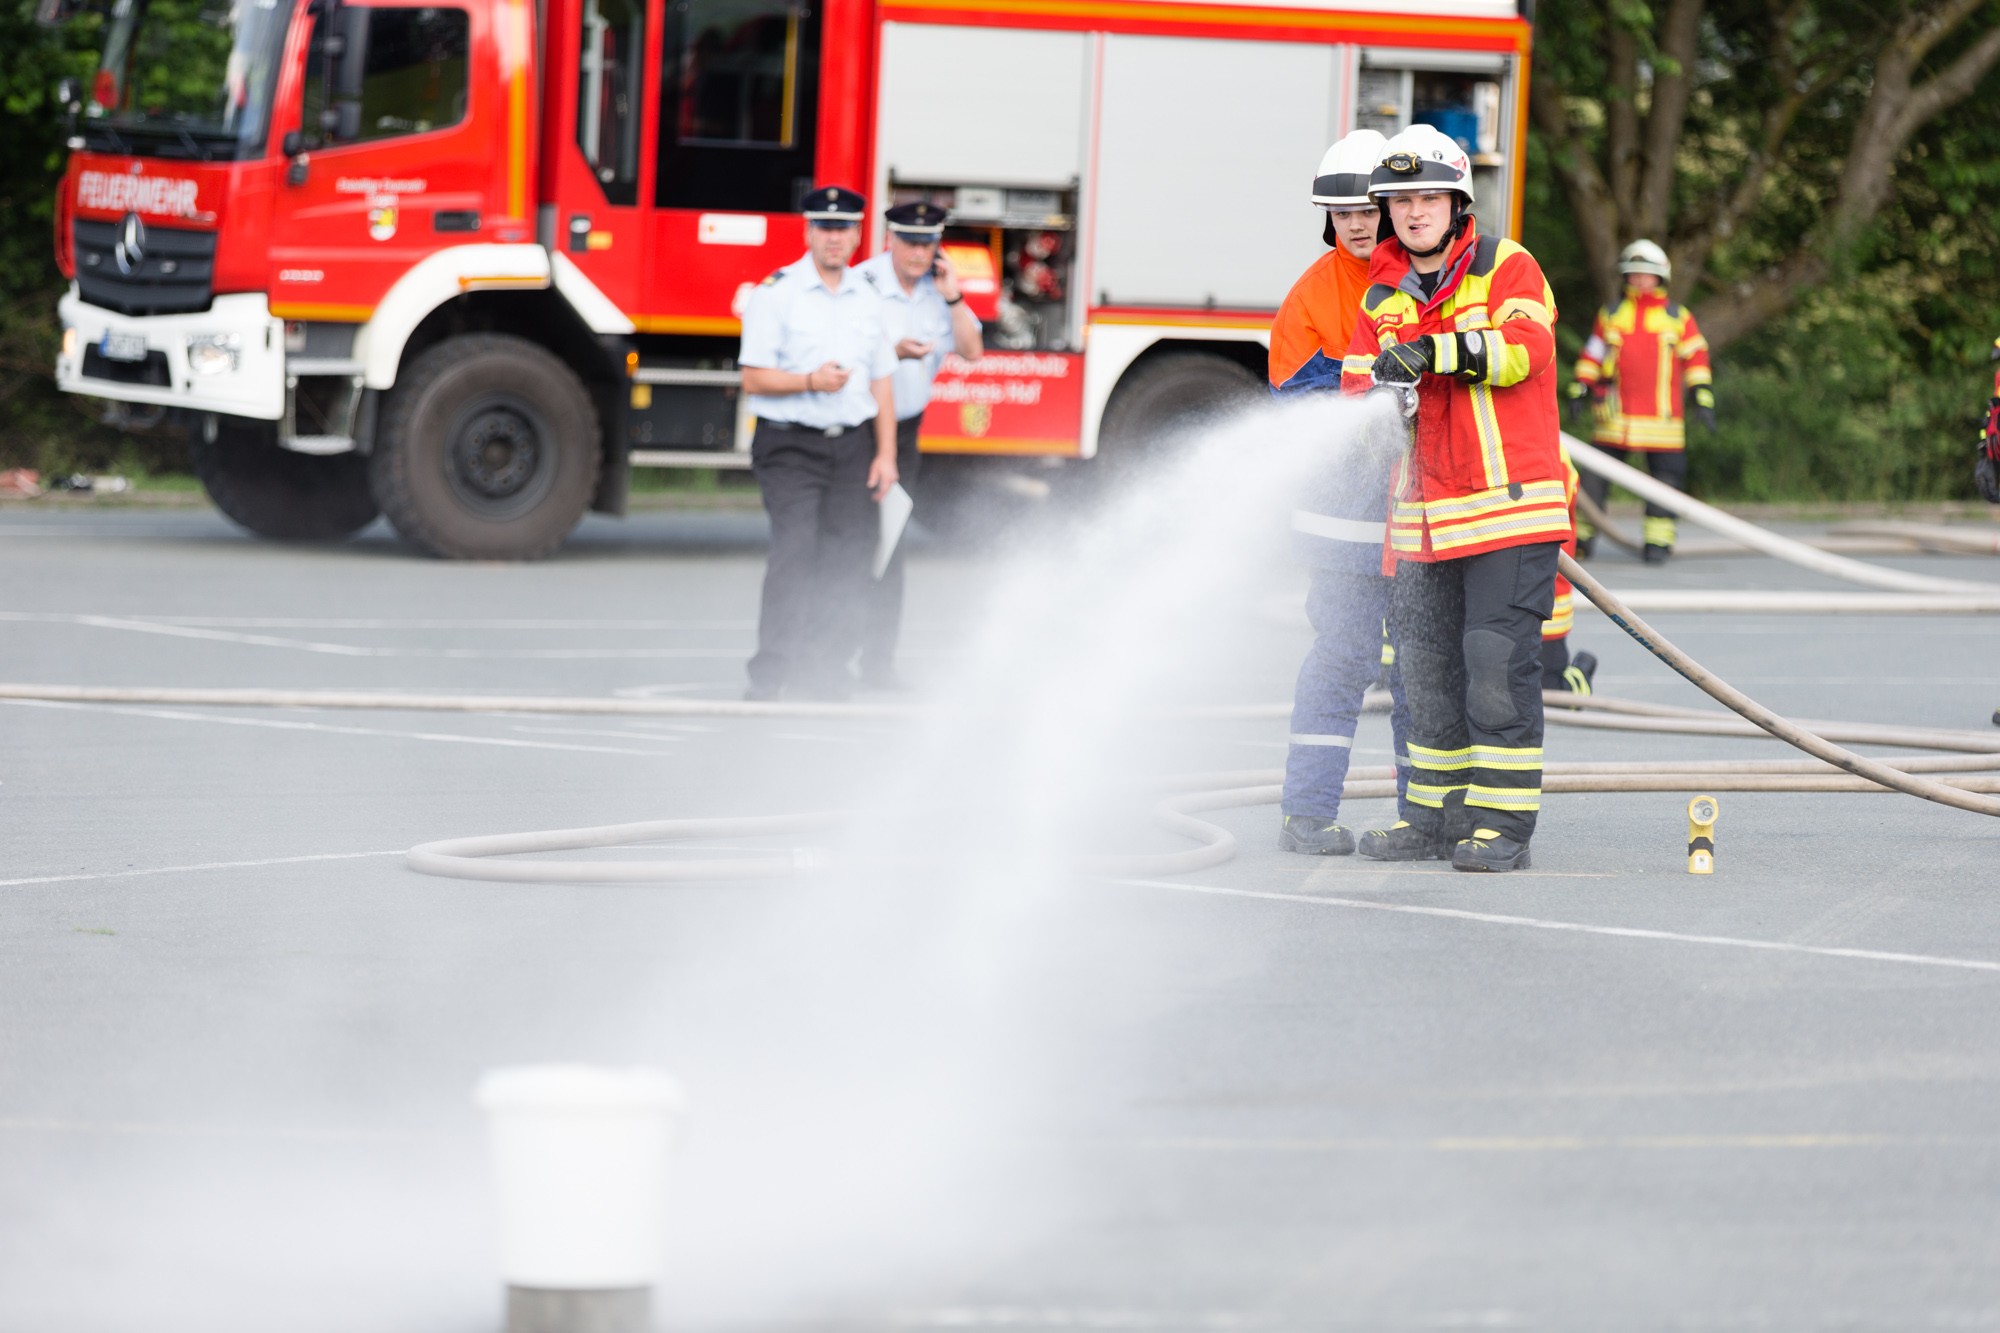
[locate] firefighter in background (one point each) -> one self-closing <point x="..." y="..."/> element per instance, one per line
<point x="1480" y="506"/>
<point x="1644" y="358"/>
<point x="1560" y="671"/>
<point x="1340" y="526"/>
<point x="1986" y="471"/>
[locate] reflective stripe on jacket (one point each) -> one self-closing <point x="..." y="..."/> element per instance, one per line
<point x="1485" y="471"/>
<point x="1557" y="626"/>
<point x="1647" y="352"/>
<point x="1342" y="514"/>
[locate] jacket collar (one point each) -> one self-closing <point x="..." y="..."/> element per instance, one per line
<point x="1391" y="267"/>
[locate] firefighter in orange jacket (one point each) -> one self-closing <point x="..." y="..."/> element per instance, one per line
<point x="1644" y="358"/>
<point x="1479" y="510"/>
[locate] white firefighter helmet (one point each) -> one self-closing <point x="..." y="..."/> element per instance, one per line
<point x="1342" y="179"/>
<point x="1422" y="158"/>
<point x="1645" y="257"/>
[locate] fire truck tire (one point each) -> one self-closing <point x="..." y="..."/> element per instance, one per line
<point x="1160" y="400"/>
<point x="487" y="450"/>
<point x="276" y="493"/>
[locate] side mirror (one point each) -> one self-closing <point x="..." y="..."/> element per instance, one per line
<point x="340" y="123"/>
<point x="293" y="143"/>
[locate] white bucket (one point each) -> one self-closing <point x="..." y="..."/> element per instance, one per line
<point x="579" y="1165"/>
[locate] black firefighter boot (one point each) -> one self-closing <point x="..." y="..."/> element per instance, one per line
<point x="1489" y="849"/>
<point x="1311" y="835"/>
<point x="1404" y="841"/>
<point x="1577" y="675"/>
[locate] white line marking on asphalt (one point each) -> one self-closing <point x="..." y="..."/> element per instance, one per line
<point x="447" y="737"/>
<point x="133" y="1127"/>
<point x="1577" y="927"/>
<point x="301" y="622"/>
<point x="190" y="869"/>
<point x="1571" y="1143"/>
<point x="1008" y="1316"/>
<point x="587" y="731"/>
<point x="177" y="631"/>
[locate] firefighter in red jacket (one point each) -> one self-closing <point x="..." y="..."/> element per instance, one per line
<point x="1560" y="671"/>
<point x="1479" y="508"/>
<point x="1986" y="471"/>
<point x="1341" y="516"/>
<point x="1645" y="359"/>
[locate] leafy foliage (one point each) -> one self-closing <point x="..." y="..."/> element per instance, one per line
<point x="1830" y="211"/>
<point x="39" y="427"/>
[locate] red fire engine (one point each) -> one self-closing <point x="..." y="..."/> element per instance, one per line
<point x="468" y="263"/>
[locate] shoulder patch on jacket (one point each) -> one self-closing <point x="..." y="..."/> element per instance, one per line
<point x="773" y="278"/>
<point x="1674" y="310"/>
<point x="1378" y="292"/>
<point x="1485" y="254"/>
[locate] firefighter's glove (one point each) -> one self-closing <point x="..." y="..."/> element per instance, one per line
<point x="1578" y="406"/>
<point x="1403" y="363"/>
<point x="1703" y="410"/>
<point x="1460" y="355"/>
<point x="1986" y="476"/>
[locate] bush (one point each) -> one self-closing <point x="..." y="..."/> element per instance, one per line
<point x="1839" y="401"/>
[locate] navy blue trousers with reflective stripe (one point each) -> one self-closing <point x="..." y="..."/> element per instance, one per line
<point x="1346" y="610"/>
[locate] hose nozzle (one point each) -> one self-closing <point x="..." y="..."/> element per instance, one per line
<point x="1404" y="392"/>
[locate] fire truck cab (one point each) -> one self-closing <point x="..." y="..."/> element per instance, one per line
<point x="466" y="263"/>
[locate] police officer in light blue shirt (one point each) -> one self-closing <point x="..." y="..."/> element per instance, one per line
<point x="924" y="316"/>
<point x="817" y="367"/>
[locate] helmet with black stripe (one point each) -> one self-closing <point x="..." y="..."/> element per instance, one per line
<point x="1344" y="172"/>
<point x="1423" y="160"/>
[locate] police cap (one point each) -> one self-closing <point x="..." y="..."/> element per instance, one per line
<point x="832" y="206"/>
<point x="921" y="221"/>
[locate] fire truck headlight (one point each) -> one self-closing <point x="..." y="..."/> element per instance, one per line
<point x="213" y="353"/>
<point x="72" y="344"/>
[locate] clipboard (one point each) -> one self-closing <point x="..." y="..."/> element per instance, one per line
<point x="896" y="507"/>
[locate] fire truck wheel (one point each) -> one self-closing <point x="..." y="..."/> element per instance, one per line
<point x="1171" y="394"/>
<point x="276" y="493"/>
<point x="1160" y="401"/>
<point x="488" y="450"/>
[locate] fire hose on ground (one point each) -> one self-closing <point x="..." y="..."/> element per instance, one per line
<point x="1830" y="767"/>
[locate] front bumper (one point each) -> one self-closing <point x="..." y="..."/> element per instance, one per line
<point x="253" y="386"/>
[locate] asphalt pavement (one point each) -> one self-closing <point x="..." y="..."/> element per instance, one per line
<point x="946" y="1086"/>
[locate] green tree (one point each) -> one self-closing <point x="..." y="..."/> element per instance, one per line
<point x="1759" y="142"/>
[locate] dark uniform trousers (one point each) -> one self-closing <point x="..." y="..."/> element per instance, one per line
<point x="824" y="527"/>
<point x="1468" y="636"/>
<point x="1668" y="465"/>
<point x="882" y="619"/>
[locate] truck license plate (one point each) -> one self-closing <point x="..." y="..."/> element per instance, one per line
<point x="122" y="347"/>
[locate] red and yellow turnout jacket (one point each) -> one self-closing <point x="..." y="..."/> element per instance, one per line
<point x="1486" y="469"/>
<point x="1644" y="354"/>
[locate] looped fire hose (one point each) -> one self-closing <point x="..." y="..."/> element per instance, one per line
<point x="1744" y="706"/>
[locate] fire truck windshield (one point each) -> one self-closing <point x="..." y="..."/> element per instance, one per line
<point x="186" y="78"/>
